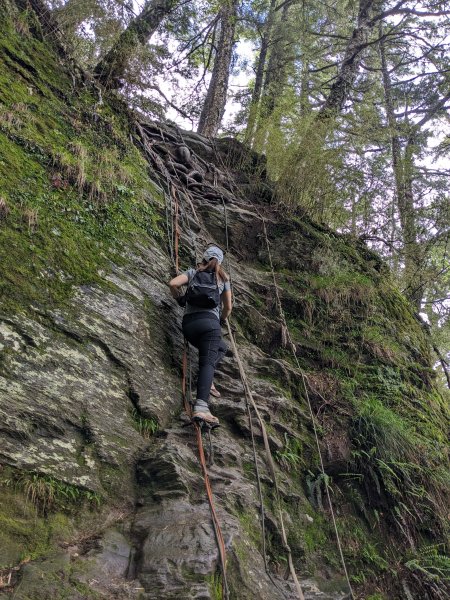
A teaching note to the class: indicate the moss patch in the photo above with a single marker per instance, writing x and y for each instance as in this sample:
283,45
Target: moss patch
24,534
76,191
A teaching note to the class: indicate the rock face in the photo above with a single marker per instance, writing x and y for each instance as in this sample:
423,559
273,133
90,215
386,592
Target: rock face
101,484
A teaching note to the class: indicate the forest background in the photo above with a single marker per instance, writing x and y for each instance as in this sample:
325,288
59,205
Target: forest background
347,100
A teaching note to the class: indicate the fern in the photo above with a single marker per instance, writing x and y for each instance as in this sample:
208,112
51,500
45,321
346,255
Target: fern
291,455
431,562
398,463
316,485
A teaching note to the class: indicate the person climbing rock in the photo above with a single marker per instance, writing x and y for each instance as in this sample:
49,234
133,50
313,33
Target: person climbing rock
208,302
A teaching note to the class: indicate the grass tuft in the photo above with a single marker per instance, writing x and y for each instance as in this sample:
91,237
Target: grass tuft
146,427
47,493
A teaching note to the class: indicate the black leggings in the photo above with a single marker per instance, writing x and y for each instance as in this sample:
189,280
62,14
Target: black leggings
203,332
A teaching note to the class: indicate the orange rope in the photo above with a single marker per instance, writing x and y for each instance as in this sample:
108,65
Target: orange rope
201,453
198,432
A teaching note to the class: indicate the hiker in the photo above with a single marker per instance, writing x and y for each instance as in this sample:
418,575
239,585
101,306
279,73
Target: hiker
207,293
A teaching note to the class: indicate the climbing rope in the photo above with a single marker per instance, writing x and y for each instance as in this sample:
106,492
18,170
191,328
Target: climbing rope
198,432
316,436
286,335
271,464
250,403
174,235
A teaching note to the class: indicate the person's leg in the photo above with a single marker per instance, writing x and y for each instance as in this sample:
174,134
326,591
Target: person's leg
221,351
208,356
205,335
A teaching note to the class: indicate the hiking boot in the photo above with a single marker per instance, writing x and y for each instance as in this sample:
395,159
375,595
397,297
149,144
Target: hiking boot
214,391
206,416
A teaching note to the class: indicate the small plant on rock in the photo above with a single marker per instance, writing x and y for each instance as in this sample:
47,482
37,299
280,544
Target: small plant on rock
317,485
432,562
291,456
146,427
46,492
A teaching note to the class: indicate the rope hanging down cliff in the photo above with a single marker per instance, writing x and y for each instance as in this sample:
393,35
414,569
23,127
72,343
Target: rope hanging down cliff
215,521
250,402
286,335
198,432
270,461
173,234
303,377
188,409
264,433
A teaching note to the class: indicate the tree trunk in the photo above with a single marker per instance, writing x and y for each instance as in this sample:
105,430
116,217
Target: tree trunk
304,161
403,168
275,81
216,97
413,256
259,76
305,104
112,67
276,75
348,71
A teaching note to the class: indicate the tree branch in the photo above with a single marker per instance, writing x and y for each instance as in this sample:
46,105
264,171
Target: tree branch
169,102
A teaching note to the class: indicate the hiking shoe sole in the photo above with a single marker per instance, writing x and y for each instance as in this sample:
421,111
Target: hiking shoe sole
207,418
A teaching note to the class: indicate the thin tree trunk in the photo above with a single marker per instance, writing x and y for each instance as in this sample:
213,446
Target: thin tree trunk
259,76
403,167
216,96
348,71
276,75
354,229
305,104
412,252
303,162
394,254
112,67
403,174
275,80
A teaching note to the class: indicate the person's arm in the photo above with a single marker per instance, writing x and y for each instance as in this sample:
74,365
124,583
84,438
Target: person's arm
227,304
176,283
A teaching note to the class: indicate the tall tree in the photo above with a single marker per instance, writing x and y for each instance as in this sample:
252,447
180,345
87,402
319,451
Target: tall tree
350,64
111,67
280,60
343,49
216,96
260,70
406,143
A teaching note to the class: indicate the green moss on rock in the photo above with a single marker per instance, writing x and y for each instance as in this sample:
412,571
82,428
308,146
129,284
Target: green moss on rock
76,190
24,533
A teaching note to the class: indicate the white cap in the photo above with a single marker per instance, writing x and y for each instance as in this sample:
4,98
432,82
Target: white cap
213,252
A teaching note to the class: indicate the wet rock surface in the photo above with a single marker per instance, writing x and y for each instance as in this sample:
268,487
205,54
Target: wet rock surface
76,379
94,399
101,491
